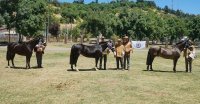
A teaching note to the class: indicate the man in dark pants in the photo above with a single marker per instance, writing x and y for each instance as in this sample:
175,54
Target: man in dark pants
104,57
128,48
39,50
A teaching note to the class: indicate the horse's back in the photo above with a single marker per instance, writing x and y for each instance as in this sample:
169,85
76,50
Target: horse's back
19,48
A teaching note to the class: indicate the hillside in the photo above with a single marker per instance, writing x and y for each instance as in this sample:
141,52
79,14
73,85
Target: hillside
139,20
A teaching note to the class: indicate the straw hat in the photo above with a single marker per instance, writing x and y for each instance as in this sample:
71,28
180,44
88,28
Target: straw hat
119,40
125,37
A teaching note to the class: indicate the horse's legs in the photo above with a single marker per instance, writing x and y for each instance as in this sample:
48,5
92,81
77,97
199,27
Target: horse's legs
151,62
147,67
96,62
28,61
72,67
75,61
9,63
12,59
175,62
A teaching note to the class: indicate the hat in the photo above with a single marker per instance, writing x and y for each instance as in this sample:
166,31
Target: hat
102,37
125,37
119,40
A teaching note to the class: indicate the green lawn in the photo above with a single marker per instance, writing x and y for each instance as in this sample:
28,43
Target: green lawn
55,84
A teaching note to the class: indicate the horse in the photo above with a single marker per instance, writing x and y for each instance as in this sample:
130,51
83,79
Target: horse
93,51
22,48
166,53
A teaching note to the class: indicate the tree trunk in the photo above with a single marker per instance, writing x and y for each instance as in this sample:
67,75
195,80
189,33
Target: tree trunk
9,35
20,38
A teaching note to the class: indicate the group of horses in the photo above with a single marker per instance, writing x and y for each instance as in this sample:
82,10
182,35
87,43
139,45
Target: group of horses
96,51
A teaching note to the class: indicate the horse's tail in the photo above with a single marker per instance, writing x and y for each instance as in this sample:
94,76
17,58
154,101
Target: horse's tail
73,55
8,54
148,57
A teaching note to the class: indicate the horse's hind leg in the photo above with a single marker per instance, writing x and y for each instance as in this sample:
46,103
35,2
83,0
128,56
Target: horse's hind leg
147,67
175,62
28,62
72,67
12,59
151,62
96,62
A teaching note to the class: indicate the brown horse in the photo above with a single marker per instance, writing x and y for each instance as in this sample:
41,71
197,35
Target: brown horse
173,53
21,48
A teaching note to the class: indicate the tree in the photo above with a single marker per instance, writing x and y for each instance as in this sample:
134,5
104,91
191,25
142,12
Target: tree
194,27
8,10
30,17
1,21
54,29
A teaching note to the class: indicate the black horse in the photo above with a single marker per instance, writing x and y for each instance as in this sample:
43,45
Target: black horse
22,48
173,53
93,51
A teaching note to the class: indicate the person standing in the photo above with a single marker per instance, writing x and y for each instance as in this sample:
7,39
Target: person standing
119,53
189,54
39,50
104,56
128,49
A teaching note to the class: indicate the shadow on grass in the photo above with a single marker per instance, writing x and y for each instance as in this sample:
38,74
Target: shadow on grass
163,71
81,70
24,68
94,69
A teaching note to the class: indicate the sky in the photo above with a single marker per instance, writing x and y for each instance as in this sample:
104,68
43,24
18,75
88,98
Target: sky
187,6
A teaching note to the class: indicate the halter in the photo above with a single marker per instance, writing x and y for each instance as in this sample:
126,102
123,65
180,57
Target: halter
110,46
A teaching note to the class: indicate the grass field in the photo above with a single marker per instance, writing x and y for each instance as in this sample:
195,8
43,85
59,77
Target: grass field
55,84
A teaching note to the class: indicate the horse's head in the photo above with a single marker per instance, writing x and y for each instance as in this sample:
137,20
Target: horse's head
108,45
184,43
111,45
39,40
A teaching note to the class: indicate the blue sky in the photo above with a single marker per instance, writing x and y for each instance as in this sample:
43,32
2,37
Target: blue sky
187,6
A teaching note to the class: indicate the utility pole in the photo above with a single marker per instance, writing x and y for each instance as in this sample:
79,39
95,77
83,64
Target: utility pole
47,22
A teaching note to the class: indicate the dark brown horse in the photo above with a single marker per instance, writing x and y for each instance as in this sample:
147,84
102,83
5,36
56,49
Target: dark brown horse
173,53
94,51
21,48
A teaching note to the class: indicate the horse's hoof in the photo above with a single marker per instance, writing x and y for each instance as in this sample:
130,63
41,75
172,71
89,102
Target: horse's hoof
96,68
77,70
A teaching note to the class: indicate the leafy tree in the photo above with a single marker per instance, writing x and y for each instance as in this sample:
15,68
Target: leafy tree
8,11
30,17
194,27
54,29
1,20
